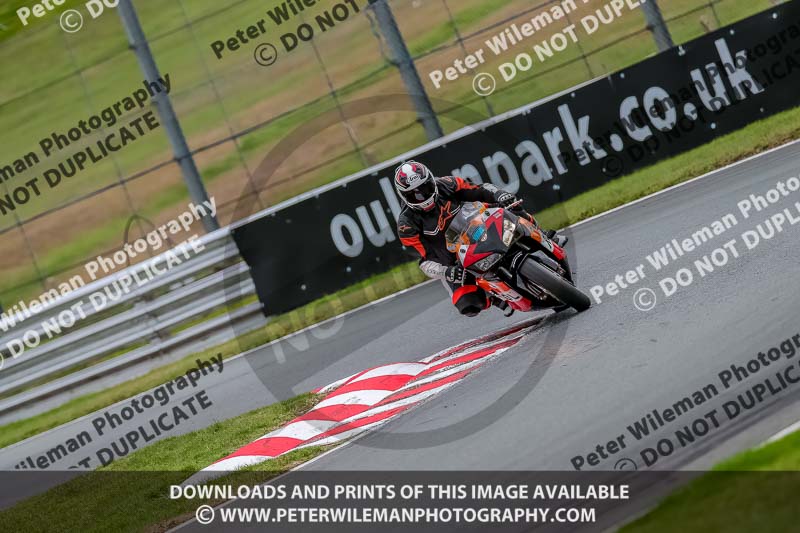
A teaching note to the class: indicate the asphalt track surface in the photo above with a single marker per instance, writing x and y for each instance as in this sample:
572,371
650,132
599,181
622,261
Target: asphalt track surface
578,380
615,363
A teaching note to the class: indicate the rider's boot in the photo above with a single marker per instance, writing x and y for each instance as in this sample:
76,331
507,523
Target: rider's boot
502,305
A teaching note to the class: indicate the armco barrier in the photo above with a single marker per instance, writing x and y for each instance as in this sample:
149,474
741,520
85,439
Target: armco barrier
545,152
184,297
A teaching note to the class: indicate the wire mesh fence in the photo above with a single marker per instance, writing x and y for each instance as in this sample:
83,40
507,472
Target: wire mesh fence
234,111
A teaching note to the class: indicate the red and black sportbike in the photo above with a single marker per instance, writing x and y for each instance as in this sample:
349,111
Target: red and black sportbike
513,259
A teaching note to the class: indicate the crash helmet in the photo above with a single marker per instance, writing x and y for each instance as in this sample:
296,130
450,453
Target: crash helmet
416,185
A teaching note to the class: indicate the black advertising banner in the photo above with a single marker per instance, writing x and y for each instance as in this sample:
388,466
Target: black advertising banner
656,109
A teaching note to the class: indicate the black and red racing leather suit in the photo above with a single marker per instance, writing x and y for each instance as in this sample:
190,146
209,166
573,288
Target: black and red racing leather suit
424,233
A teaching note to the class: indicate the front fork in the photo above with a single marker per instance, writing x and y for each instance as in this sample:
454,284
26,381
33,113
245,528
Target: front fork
547,252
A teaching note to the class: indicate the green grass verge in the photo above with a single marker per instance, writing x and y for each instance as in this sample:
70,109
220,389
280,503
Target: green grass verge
55,109
132,494
753,139
732,498
135,488
369,290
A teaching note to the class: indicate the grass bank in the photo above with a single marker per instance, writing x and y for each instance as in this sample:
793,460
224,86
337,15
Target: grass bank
94,68
754,491
133,492
753,139
355,296
135,489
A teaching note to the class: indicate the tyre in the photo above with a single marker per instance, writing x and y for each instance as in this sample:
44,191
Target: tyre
555,285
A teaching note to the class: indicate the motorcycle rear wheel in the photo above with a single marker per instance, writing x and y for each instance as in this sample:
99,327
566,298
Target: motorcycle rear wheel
554,284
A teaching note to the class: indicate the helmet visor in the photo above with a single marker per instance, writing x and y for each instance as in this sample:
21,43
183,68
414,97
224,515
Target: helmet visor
421,194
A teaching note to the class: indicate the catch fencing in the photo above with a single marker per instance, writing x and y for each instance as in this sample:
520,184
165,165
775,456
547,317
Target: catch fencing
233,110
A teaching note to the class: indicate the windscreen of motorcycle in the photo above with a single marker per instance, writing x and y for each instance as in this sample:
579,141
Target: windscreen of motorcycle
467,226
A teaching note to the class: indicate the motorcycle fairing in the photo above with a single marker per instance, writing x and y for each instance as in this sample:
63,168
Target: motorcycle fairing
490,241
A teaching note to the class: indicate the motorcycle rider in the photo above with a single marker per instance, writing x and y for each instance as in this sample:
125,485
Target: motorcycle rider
431,203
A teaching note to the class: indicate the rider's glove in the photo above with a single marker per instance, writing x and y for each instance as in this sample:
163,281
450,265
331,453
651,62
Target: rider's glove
455,274
504,199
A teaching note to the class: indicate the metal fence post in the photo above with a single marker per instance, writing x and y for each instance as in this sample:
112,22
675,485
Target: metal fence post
138,43
656,24
408,71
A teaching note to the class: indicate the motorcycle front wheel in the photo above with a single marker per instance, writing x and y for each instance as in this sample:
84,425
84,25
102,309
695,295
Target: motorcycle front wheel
555,285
